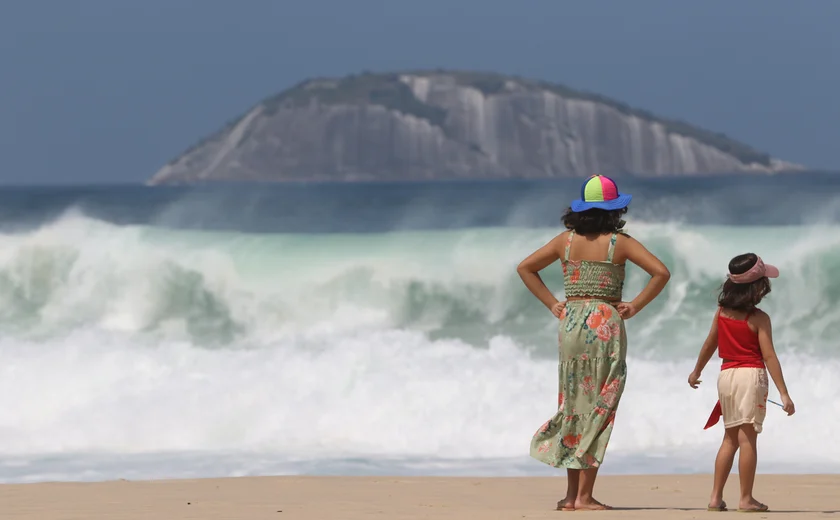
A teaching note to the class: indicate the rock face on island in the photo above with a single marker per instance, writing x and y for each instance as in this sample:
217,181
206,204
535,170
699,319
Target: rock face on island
452,125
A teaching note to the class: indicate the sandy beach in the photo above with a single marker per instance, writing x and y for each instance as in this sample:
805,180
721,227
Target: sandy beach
322,498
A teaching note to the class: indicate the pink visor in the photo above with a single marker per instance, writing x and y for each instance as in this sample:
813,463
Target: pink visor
756,272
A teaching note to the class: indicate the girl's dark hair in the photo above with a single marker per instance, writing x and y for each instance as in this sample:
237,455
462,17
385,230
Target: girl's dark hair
743,296
594,221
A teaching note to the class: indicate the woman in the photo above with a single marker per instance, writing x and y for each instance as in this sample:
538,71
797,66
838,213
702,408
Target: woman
593,343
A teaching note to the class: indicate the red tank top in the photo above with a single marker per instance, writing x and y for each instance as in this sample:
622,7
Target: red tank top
738,344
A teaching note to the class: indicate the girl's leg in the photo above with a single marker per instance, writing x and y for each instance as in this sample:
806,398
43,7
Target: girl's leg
723,465
584,498
573,482
747,462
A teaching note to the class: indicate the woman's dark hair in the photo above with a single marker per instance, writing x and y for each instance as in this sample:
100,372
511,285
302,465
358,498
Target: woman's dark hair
594,221
743,296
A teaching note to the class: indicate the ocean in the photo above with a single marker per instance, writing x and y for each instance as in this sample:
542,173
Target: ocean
373,329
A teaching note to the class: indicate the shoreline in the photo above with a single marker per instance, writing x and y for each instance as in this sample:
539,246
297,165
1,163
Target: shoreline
397,498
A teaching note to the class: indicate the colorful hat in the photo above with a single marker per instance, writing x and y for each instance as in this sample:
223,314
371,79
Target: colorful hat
599,191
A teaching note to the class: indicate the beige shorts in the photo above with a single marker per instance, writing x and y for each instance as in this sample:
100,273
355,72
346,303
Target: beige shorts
743,396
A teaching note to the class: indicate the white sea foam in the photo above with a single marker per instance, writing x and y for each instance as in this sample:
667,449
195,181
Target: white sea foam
130,350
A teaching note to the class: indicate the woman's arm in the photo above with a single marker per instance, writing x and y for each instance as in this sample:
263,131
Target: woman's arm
536,262
706,353
768,352
659,276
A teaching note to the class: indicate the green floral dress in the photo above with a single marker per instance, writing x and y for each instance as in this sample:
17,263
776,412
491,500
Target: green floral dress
592,371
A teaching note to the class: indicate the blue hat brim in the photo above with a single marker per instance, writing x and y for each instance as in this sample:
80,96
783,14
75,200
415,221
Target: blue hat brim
622,201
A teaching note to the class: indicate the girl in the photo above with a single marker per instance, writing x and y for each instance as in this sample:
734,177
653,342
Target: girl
742,335
593,343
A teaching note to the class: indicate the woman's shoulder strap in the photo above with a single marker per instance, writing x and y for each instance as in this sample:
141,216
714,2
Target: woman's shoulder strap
611,250
568,245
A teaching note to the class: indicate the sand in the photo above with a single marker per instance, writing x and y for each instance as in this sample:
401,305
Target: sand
349,498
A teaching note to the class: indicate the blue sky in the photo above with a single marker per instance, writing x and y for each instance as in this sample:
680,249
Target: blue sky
110,90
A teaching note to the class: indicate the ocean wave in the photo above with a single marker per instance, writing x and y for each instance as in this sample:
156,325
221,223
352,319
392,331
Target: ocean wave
418,345
229,289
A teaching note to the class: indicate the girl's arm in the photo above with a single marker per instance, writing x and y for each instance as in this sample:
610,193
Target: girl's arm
536,262
659,276
768,352
706,353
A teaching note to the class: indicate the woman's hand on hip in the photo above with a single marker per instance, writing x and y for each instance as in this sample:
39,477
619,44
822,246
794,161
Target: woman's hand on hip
626,310
557,309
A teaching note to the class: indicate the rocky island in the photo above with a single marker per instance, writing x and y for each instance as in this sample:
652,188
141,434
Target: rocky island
433,125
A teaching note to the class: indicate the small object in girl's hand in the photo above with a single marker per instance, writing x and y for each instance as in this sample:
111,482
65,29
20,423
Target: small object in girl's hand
774,402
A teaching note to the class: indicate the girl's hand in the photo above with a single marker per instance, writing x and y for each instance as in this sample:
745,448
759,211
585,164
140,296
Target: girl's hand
626,310
787,405
694,380
557,309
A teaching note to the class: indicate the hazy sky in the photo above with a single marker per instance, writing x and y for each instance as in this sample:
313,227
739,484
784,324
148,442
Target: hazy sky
110,90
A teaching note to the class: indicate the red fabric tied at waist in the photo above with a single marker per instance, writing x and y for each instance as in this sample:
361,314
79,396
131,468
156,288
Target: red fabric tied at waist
717,411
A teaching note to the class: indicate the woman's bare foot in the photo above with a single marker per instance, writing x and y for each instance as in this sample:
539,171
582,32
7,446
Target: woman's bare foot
590,504
752,505
567,504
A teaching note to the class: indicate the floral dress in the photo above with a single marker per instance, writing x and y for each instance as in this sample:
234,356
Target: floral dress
592,370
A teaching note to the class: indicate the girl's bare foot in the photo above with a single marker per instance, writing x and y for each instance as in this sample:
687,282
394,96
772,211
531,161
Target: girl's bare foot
717,505
752,505
590,504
